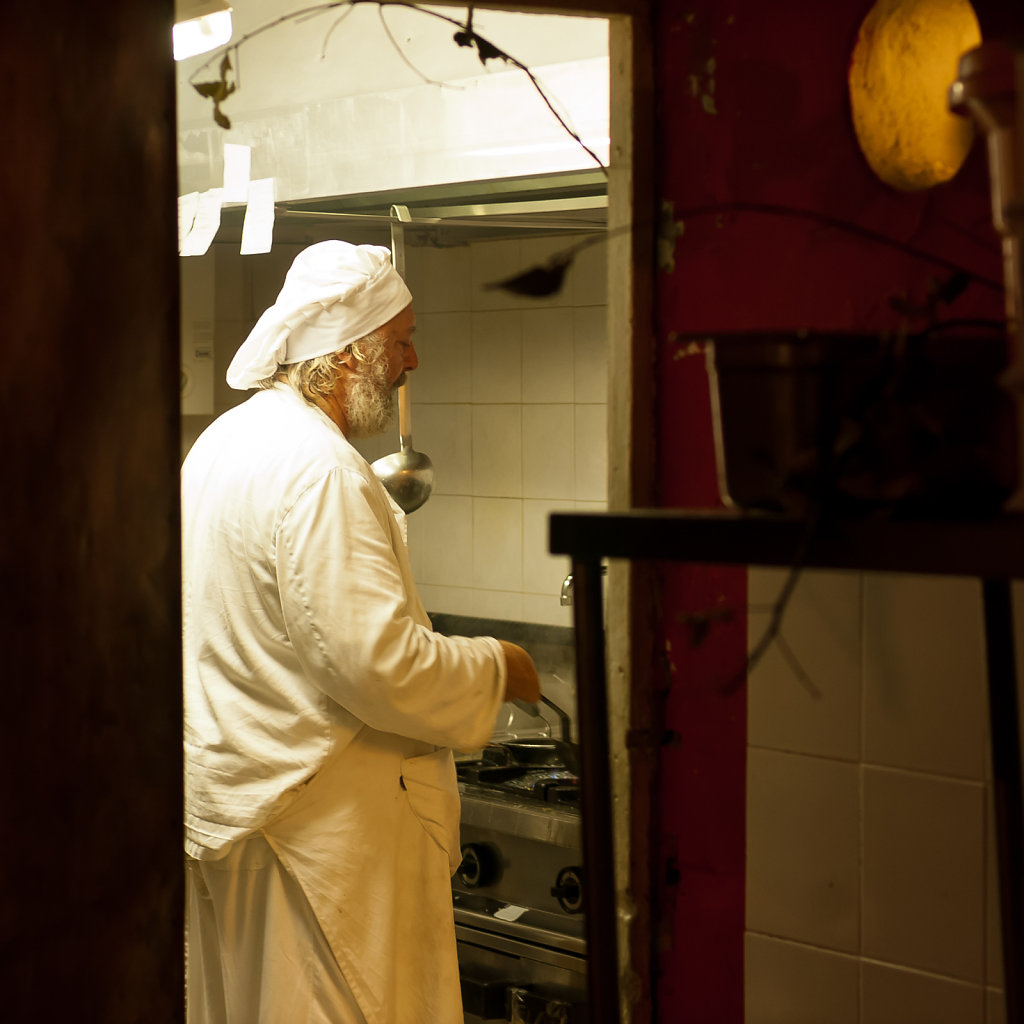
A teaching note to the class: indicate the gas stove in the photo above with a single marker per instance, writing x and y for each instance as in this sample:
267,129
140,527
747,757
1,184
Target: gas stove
518,893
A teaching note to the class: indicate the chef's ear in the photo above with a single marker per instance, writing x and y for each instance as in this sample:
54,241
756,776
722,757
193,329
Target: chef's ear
347,358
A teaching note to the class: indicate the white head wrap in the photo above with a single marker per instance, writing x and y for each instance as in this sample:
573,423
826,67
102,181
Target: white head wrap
333,294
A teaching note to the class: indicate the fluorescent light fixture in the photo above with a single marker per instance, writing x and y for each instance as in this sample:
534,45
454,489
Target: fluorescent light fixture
199,26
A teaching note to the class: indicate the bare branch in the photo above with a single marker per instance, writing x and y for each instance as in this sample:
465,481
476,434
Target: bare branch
487,50
401,53
466,36
294,16
334,24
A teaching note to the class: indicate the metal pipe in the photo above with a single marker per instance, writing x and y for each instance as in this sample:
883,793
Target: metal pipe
987,87
559,226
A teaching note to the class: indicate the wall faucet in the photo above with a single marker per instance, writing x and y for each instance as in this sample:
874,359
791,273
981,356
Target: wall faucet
565,596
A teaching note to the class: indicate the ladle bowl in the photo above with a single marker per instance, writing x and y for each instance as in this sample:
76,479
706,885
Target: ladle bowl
407,475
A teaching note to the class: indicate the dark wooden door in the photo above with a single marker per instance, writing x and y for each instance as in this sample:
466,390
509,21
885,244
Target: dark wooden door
90,797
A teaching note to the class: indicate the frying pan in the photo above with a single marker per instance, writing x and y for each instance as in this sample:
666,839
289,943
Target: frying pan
543,751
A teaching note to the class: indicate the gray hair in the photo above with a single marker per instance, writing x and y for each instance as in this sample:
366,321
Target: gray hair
316,377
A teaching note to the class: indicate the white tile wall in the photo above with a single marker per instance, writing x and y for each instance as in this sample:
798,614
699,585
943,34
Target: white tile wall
455,600
589,274
546,609
444,346
510,404
803,870
549,452
497,544
798,984
498,450
870,834
893,994
591,452
548,355
924,674
924,882
590,354
446,433
441,541
542,572
804,694
497,372
995,1006
441,282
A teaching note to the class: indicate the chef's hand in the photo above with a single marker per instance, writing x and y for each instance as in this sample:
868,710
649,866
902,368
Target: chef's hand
523,683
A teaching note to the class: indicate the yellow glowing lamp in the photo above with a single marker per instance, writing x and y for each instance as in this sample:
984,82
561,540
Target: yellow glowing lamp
199,26
904,61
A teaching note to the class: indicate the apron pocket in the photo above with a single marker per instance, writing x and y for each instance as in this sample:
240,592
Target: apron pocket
429,782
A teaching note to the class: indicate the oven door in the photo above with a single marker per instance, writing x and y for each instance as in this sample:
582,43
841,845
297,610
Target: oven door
511,979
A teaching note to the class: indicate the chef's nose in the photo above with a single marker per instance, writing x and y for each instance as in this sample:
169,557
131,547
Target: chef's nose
411,360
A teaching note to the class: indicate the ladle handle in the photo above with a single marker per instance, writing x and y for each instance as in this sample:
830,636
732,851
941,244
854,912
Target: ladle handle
400,216
404,417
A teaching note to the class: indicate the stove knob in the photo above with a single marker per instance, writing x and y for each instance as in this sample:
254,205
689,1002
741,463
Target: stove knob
568,890
480,865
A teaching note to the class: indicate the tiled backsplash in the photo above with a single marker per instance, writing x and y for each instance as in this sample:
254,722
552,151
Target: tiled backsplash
510,404
871,885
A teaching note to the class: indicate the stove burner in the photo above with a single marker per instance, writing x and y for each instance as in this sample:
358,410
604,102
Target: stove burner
530,769
559,791
523,752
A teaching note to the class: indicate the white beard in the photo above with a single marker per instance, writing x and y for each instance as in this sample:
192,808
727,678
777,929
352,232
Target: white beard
369,400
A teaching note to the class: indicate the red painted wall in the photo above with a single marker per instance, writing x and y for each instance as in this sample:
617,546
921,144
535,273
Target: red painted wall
782,226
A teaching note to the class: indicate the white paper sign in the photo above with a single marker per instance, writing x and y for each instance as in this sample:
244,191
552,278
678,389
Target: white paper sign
258,227
237,161
206,224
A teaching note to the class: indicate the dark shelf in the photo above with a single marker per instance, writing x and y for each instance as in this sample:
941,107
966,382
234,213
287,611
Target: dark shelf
992,548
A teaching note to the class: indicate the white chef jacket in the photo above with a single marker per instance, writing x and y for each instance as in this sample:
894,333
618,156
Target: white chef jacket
319,705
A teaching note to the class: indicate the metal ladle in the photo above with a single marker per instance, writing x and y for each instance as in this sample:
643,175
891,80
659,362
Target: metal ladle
408,475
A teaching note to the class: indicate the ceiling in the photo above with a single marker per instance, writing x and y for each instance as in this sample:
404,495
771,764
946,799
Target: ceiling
350,50
300,79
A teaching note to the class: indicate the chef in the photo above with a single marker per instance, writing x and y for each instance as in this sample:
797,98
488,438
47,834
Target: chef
320,707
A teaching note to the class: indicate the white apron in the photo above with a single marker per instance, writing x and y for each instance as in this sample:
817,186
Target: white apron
256,952
372,842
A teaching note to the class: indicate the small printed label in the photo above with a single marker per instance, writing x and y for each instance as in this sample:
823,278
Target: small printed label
510,913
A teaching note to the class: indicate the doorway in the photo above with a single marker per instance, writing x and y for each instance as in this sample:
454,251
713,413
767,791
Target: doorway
318,190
